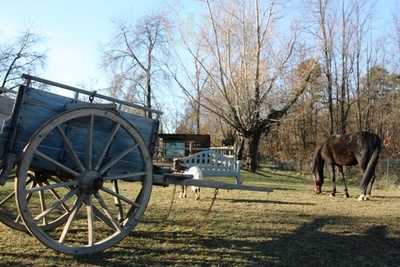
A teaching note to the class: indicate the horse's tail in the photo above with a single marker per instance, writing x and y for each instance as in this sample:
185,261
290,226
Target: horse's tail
370,170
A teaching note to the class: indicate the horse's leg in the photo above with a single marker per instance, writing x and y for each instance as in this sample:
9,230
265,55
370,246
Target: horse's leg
364,186
346,192
363,162
333,181
370,187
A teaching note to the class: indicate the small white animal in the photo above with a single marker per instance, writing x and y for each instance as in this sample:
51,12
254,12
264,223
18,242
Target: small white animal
197,174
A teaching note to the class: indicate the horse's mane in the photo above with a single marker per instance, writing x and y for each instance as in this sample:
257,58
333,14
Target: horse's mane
316,158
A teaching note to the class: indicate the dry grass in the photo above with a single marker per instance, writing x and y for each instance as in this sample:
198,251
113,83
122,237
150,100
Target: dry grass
289,227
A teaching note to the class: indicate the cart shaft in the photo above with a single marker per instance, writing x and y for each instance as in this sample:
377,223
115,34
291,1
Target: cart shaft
165,180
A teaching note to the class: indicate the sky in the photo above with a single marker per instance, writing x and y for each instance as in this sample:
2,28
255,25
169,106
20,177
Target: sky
75,32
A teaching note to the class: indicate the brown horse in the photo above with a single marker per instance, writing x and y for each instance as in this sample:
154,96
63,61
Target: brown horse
360,148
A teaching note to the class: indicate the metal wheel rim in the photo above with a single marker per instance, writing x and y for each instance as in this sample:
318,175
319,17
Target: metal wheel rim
32,146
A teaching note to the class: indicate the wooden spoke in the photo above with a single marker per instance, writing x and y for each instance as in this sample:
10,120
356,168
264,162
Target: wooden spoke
65,168
29,195
42,200
57,196
18,219
107,213
90,221
102,217
119,196
117,201
132,176
89,157
129,213
9,196
107,146
118,158
70,149
51,186
71,217
56,204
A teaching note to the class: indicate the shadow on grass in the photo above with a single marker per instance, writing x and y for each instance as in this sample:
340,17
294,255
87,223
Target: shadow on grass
385,197
270,174
20,259
265,201
309,245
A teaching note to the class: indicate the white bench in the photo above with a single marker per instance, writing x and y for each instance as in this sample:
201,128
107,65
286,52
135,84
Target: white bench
214,163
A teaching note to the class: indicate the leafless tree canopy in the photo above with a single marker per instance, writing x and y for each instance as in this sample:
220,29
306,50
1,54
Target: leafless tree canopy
20,56
247,66
135,57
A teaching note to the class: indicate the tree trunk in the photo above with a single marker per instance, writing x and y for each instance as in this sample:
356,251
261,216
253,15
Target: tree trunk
198,113
240,148
148,98
148,83
10,68
253,143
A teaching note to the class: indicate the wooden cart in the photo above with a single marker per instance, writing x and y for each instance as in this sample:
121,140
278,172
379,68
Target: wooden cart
82,166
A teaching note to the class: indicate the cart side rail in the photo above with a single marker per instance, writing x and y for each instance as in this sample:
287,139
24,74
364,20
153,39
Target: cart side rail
93,94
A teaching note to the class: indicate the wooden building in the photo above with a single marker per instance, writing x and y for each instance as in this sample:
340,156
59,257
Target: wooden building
181,145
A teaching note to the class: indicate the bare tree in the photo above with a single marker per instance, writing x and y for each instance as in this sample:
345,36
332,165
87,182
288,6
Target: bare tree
137,53
22,55
246,69
192,83
340,30
325,28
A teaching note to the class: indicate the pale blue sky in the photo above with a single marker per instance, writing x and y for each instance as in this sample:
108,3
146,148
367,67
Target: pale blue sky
74,32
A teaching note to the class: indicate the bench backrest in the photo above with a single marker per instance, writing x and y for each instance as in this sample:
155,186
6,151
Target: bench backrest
214,163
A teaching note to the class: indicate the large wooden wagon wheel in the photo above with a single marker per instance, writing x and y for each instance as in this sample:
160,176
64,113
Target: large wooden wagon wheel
9,214
106,202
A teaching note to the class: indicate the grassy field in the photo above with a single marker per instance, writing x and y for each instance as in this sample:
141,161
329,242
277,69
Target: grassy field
288,227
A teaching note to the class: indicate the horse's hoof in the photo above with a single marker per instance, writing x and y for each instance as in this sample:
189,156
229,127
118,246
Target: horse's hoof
361,198
346,195
367,197
332,194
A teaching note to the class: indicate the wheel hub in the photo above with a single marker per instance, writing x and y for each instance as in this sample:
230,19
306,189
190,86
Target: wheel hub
90,182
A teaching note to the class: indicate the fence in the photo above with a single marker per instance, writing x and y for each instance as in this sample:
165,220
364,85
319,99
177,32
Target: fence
388,171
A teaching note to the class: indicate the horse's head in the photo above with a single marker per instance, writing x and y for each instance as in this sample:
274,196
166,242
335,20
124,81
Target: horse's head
318,170
318,182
